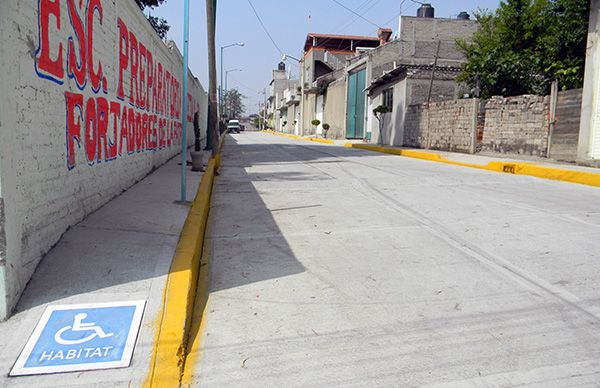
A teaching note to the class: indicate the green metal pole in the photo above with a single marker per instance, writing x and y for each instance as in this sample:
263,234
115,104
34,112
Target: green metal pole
186,38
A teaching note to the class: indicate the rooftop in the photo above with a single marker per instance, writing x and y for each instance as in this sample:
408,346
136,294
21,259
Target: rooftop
339,42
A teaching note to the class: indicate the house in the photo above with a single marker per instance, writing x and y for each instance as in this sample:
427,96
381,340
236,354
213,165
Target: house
323,55
402,73
396,74
275,104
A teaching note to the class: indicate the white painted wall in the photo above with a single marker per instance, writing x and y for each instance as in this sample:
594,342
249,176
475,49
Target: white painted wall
43,192
589,133
393,127
320,102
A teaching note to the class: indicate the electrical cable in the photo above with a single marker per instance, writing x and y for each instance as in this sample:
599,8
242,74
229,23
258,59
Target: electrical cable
355,13
265,28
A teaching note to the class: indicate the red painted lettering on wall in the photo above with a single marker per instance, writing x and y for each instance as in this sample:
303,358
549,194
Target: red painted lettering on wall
102,118
77,65
46,66
74,118
98,129
123,56
96,77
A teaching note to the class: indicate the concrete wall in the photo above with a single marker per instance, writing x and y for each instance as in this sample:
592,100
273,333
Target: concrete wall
588,151
393,122
517,125
90,105
310,101
447,125
335,109
290,116
566,129
417,43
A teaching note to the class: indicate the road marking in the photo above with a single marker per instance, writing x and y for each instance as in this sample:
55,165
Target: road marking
82,337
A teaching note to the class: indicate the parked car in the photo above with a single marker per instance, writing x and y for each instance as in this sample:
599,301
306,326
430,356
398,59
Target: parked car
233,126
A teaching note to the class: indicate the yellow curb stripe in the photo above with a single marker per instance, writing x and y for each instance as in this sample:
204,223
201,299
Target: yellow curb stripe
174,320
290,136
516,168
195,353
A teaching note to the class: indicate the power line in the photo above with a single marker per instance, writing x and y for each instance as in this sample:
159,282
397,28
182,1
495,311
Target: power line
265,28
402,11
243,85
351,18
355,13
364,12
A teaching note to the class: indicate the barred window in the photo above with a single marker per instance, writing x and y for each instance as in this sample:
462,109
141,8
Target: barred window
388,98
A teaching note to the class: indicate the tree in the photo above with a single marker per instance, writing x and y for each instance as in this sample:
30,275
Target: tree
525,45
233,103
379,113
160,25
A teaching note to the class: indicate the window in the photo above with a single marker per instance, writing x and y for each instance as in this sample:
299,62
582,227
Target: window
388,98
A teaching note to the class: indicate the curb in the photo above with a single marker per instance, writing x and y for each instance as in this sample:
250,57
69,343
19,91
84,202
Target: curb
172,326
515,168
295,137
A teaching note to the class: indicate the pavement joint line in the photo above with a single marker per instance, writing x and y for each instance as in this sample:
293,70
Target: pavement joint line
127,230
514,168
175,317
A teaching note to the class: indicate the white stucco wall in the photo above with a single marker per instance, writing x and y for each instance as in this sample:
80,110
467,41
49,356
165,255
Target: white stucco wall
59,161
393,124
589,133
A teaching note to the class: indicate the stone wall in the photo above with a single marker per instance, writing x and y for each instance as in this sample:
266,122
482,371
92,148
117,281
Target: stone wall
446,125
90,104
516,125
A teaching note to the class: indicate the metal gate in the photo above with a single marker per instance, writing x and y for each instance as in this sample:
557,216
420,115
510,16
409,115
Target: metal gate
355,112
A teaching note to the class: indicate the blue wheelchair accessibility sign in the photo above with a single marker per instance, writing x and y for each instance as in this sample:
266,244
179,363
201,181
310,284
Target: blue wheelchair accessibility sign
82,337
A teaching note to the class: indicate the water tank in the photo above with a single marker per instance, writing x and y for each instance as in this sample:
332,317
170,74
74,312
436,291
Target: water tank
463,16
426,11
281,66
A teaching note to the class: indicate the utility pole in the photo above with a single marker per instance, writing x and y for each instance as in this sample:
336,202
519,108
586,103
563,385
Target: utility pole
266,116
184,100
437,54
211,16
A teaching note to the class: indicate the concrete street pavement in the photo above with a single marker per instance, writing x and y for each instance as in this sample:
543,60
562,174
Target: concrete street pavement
340,267
122,252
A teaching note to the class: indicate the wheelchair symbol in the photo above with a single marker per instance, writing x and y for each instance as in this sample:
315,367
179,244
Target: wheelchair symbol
79,326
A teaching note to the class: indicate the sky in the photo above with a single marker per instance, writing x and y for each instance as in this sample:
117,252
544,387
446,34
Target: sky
288,22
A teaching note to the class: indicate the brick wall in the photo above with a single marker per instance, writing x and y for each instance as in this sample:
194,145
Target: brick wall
445,125
90,104
516,125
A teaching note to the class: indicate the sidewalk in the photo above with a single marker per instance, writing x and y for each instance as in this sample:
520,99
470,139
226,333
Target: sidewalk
478,158
486,158
122,252
512,164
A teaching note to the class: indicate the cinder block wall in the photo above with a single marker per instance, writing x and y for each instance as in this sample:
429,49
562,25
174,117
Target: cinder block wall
90,104
517,125
445,125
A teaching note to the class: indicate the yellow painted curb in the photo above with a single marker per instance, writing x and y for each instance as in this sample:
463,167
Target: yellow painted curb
174,320
194,353
318,140
290,136
516,168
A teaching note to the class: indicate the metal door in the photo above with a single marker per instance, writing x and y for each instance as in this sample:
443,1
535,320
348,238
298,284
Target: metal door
355,119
